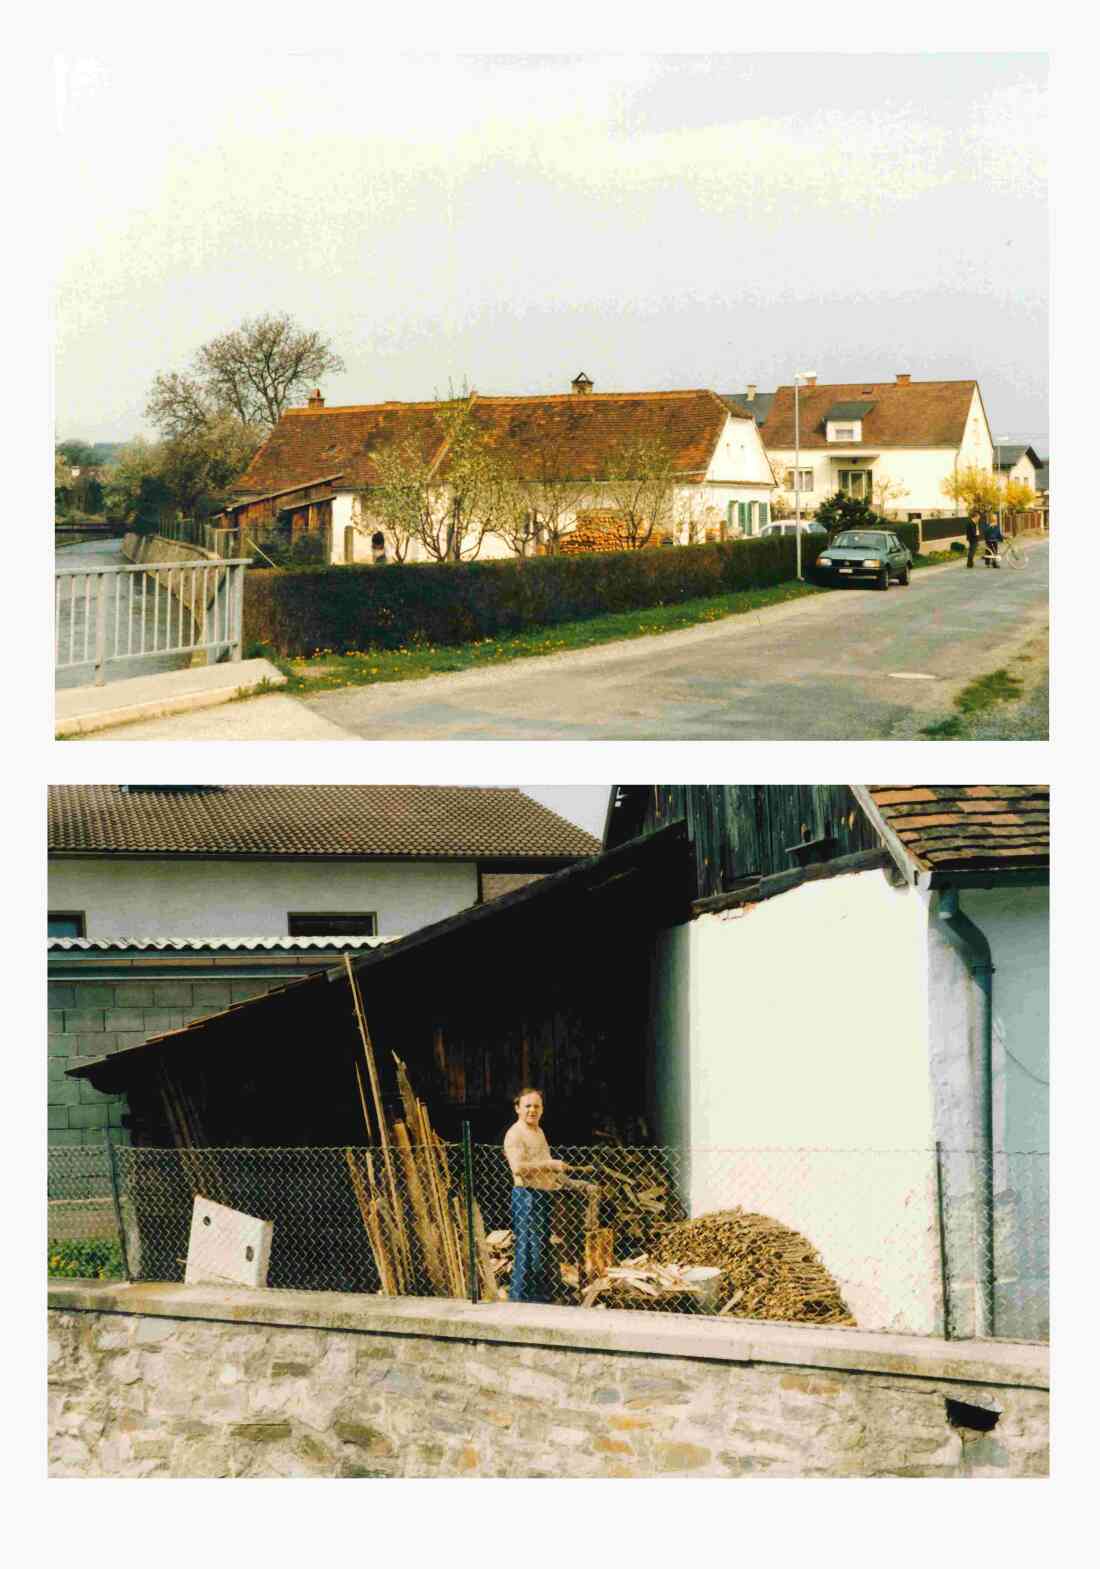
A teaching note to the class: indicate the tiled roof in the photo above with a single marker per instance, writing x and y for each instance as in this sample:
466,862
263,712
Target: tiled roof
209,944
969,827
575,434
377,821
1005,455
914,414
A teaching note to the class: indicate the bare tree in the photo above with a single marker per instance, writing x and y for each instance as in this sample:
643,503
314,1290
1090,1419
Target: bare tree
401,499
885,491
639,479
253,373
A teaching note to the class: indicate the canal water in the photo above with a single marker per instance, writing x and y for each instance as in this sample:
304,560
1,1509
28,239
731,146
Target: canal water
108,553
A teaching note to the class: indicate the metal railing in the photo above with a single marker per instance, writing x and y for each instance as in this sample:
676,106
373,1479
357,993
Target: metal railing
110,614
898,1240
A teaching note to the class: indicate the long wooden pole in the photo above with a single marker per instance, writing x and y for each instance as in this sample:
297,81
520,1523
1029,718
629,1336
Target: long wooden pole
383,1134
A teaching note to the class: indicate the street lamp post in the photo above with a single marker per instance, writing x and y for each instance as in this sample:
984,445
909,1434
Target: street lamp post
998,442
802,375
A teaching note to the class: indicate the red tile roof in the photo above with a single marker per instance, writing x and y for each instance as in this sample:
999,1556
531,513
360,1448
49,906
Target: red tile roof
576,433
402,822
969,827
914,414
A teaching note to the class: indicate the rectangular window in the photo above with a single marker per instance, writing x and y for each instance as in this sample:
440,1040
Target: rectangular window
65,923
842,433
806,481
855,482
744,516
765,512
332,923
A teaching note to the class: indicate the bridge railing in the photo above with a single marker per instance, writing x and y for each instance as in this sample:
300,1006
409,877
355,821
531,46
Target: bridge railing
107,614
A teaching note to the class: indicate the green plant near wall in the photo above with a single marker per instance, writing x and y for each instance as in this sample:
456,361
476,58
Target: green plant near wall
93,1258
349,608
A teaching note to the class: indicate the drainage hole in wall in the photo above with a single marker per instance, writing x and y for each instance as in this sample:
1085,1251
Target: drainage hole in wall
206,1220
249,1253
978,1418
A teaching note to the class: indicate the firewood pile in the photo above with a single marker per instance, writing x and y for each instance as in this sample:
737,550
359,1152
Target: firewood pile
767,1270
637,1198
597,532
673,1287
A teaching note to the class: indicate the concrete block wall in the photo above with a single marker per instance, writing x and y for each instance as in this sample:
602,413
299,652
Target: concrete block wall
91,1018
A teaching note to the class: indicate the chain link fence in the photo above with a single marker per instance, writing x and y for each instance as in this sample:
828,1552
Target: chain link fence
929,1242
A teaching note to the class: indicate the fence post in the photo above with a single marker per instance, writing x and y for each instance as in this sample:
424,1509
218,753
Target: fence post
236,600
468,1195
113,1174
944,1279
100,627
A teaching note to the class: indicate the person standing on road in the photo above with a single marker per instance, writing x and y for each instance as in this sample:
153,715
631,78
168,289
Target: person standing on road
973,535
991,533
536,1176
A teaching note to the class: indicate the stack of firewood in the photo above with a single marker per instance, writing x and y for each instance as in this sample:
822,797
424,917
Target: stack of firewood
659,1285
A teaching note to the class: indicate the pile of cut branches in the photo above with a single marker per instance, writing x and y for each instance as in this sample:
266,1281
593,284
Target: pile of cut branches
768,1270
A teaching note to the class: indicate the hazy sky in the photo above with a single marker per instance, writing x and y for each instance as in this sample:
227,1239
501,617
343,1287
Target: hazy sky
658,221
582,804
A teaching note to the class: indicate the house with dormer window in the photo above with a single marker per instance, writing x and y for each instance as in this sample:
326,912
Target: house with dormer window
891,444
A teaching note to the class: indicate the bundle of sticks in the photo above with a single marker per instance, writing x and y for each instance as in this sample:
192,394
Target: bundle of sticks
412,1208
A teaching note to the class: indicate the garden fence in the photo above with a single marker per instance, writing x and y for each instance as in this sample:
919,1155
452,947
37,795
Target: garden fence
936,1242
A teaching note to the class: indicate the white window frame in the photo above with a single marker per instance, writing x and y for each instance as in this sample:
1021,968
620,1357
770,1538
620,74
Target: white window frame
807,483
846,430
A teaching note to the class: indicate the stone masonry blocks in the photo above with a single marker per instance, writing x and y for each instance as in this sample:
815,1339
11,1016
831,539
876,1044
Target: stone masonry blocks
176,1397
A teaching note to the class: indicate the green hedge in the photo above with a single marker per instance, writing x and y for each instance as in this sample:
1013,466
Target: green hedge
909,534
341,609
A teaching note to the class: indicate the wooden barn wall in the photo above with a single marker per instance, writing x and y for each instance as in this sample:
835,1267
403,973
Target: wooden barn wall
741,831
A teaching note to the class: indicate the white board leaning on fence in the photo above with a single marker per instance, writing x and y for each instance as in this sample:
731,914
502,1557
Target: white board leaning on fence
226,1247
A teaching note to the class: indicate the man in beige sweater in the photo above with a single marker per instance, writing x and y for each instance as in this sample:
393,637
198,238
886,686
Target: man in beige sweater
535,1175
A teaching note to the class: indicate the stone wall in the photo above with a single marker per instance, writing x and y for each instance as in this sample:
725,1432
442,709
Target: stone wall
176,1381
91,1018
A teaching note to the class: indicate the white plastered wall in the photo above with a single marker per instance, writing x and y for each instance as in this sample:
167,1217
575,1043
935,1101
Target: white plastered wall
165,898
806,1094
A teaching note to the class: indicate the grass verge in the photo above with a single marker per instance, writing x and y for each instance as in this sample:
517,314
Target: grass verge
999,686
324,672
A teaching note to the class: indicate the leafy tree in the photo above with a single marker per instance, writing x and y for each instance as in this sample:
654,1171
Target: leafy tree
972,487
137,491
78,454
1018,496
252,373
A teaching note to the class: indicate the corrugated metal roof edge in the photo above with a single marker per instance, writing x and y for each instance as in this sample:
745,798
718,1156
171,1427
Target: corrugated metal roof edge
212,944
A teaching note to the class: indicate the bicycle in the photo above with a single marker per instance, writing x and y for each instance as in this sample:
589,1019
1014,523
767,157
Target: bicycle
1011,554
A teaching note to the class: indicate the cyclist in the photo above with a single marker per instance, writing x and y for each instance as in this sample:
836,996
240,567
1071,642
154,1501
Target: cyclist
991,533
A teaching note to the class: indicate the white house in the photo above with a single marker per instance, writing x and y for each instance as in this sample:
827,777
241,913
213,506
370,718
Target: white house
317,470
891,443
827,1021
1018,464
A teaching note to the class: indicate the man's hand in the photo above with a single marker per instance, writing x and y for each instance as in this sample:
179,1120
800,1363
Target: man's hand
559,1165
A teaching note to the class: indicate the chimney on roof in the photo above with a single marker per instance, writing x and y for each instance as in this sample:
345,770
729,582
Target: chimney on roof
315,399
811,381
903,378
581,385
751,393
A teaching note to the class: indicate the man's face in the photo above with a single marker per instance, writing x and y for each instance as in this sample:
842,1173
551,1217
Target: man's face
529,1110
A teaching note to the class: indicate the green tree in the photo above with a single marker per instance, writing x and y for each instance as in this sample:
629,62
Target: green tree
972,488
844,511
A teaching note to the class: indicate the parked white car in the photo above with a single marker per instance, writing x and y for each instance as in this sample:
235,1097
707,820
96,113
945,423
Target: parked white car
807,527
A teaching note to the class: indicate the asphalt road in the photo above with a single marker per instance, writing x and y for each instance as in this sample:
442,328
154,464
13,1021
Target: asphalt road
847,665
852,664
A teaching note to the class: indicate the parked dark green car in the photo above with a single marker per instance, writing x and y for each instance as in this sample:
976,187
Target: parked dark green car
865,553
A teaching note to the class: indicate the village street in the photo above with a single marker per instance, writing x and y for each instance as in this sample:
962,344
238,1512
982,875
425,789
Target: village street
849,665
